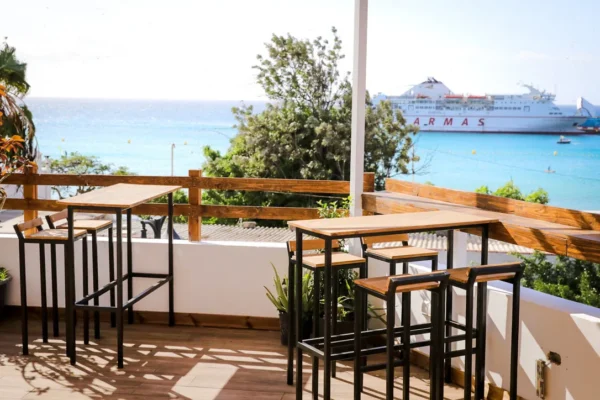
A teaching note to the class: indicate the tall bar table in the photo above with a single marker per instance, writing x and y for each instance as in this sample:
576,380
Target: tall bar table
116,199
355,227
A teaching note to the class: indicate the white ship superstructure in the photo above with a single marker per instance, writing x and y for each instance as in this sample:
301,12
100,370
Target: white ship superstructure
434,107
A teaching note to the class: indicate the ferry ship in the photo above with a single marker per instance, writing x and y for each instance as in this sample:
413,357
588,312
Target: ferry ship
434,107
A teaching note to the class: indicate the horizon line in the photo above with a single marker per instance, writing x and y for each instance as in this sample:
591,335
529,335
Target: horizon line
138,99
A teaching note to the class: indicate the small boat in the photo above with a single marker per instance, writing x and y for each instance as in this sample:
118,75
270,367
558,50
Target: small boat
549,171
563,140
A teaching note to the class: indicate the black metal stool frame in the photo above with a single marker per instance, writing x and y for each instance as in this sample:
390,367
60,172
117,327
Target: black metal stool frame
404,332
95,285
480,331
292,266
322,346
118,282
23,240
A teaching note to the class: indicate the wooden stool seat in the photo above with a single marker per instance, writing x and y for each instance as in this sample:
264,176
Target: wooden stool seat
87,224
55,234
401,253
461,275
337,259
381,285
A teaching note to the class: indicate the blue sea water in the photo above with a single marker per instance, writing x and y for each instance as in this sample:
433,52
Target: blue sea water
139,135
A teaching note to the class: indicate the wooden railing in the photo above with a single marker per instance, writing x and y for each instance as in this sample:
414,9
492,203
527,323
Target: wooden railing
195,183
555,230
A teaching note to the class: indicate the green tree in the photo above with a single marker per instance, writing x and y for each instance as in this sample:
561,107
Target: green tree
568,277
12,71
304,133
483,190
78,164
511,191
15,117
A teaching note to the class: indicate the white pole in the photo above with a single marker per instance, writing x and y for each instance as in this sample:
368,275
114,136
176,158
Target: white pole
359,89
172,159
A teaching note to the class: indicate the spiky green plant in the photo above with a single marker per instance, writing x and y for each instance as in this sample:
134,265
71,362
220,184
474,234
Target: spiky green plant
4,275
280,298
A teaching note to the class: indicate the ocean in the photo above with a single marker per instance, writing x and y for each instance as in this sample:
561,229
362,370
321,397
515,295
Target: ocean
140,134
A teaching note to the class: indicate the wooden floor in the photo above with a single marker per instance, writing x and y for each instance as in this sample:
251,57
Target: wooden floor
171,363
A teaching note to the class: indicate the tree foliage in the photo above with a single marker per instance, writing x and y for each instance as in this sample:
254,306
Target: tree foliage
15,117
305,130
512,191
568,278
78,164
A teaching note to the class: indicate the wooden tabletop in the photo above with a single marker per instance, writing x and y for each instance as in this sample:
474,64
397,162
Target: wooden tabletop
122,195
356,226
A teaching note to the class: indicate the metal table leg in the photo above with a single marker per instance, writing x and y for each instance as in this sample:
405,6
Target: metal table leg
481,320
298,313
120,290
129,267
95,283
172,281
290,318
24,315
111,275
43,293
448,328
55,329
327,321
70,290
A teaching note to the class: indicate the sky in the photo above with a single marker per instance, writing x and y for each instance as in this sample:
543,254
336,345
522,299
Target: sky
205,49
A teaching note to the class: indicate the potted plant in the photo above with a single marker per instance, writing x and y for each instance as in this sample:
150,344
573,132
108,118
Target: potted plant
4,279
280,301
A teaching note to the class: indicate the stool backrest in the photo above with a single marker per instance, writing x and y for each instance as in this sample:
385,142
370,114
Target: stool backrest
369,241
489,272
418,281
53,218
310,244
25,226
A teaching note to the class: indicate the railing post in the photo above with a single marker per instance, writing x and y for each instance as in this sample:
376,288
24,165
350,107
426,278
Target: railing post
30,193
195,217
368,187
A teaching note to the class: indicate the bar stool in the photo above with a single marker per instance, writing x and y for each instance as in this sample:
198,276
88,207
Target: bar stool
393,255
43,237
386,288
316,264
92,227
466,278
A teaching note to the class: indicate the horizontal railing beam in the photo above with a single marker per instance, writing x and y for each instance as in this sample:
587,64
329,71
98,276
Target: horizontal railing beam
217,211
243,184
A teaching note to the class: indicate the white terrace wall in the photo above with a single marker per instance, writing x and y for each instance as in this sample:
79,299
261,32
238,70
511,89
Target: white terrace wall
228,278
210,277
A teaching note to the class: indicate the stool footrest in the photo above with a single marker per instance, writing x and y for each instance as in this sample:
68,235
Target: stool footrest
92,307
380,366
83,303
346,355
348,338
458,353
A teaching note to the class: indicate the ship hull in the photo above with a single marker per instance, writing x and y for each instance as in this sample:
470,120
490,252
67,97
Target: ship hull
496,124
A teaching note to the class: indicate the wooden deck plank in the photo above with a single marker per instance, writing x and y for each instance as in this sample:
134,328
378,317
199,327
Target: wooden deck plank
171,363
